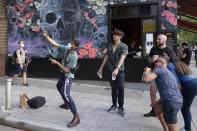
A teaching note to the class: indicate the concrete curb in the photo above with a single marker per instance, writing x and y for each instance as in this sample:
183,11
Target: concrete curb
28,126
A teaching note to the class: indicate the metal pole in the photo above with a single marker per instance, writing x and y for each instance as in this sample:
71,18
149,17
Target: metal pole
8,96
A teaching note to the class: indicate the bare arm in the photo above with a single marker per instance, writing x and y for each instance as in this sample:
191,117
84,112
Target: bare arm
183,55
122,58
103,64
148,76
49,39
65,69
19,59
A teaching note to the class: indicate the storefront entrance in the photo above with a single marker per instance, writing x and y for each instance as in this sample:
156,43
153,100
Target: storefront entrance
139,21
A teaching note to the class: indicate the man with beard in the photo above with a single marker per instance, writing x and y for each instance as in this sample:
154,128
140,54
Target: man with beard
155,52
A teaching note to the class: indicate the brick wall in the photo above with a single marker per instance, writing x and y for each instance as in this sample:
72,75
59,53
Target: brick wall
3,36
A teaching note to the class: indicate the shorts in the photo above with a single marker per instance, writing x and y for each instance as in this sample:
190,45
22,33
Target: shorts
170,110
153,83
18,70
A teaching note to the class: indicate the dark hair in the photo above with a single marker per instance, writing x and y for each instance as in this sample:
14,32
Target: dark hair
119,33
181,67
76,43
19,41
184,44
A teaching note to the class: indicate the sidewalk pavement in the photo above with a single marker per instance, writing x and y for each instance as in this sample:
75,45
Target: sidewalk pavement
91,98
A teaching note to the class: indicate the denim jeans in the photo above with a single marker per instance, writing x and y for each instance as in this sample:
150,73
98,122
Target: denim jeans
117,88
64,87
189,91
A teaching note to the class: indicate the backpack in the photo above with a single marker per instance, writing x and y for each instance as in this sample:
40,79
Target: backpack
14,57
36,102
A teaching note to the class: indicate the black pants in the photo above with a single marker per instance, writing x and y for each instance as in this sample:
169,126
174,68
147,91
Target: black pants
117,88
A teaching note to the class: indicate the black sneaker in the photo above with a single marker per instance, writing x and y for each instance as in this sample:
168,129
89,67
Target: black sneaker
26,84
121,112
112,109
150,114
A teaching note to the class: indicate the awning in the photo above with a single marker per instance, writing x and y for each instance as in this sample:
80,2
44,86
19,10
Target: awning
187,8
187,25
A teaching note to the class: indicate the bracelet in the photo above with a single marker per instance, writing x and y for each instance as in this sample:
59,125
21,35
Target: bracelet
117,67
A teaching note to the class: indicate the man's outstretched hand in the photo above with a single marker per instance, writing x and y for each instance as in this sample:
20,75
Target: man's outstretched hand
44,33
53,61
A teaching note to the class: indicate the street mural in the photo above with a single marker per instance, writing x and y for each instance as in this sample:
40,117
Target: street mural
65,20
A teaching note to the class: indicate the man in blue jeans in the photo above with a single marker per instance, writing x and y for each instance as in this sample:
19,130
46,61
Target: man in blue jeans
116,54
69,61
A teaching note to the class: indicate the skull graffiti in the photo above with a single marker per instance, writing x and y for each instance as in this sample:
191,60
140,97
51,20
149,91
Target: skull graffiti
13,16
61,19
100,38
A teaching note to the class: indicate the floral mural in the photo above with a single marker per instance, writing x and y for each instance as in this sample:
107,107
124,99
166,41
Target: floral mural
169,15
87,22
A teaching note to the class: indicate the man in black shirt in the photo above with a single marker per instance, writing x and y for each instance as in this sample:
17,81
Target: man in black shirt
187,53
155,52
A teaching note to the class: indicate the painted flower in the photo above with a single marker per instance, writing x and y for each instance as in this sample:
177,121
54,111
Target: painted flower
173,21
32,13
99,3
169,4
26,1
28,15
93,20
174,5
163,27
86,14
20,18
92,54
21,8
94,7
93,50
37,28
105,51
83,52
21,25
80,56
86,46
163,3
95,25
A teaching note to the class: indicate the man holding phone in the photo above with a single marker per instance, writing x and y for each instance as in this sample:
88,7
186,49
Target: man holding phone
69,61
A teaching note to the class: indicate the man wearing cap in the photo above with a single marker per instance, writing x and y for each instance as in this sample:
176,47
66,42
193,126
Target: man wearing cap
21,67
69,60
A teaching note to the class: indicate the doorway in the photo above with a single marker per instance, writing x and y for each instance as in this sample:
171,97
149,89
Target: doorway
139,21
131,28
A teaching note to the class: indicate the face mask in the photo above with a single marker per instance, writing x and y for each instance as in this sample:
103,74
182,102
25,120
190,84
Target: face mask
69,45
22,45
